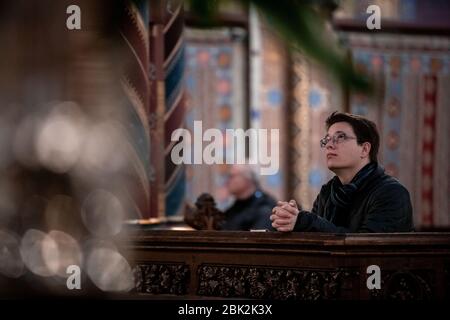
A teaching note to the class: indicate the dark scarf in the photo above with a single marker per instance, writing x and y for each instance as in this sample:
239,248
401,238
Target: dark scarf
342,196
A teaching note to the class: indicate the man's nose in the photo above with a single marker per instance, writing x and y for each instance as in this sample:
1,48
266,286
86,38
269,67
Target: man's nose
330,145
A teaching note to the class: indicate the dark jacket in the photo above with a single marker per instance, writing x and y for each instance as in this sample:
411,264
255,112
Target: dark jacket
251,213
382,204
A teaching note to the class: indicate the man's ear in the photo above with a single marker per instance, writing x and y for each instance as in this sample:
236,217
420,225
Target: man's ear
366,147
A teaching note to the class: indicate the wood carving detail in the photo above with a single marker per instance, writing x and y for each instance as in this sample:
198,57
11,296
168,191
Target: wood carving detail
205,216
405,285
272,283
161,278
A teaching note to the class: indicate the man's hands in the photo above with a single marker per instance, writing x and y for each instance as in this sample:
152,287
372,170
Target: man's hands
284,215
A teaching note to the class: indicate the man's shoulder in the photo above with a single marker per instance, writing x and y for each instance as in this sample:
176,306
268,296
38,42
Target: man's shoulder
390,183
388,186
381,185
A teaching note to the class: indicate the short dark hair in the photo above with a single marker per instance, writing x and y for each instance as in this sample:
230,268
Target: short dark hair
365,130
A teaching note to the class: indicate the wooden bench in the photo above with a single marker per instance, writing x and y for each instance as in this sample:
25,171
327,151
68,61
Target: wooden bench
279,266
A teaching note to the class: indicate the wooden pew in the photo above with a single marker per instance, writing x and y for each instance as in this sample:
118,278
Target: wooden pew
293,266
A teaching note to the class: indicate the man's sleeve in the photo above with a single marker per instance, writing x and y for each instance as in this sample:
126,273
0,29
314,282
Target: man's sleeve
389,211
308,222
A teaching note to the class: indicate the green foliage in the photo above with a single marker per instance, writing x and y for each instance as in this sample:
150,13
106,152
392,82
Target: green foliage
301,24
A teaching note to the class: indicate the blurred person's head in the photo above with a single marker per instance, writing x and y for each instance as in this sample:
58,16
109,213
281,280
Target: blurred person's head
242,181
351,142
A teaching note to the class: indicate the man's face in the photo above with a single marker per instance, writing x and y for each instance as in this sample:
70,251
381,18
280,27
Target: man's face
345,152
237,181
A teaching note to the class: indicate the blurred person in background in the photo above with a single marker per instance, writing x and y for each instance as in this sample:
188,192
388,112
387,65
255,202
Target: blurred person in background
252,207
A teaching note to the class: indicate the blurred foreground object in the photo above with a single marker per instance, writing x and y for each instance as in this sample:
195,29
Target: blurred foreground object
74,151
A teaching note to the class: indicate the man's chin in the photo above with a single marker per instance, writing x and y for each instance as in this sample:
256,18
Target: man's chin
333,166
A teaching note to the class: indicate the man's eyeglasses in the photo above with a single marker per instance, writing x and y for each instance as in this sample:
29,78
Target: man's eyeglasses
336,139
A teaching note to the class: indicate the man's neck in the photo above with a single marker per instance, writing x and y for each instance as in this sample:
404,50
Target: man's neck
346,175
246,194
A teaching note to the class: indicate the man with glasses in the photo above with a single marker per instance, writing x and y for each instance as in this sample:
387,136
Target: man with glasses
361,197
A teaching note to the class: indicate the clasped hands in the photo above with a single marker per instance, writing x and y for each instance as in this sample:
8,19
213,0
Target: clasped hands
284,215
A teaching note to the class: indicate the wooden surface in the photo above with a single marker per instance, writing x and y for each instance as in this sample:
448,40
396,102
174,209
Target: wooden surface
299,266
